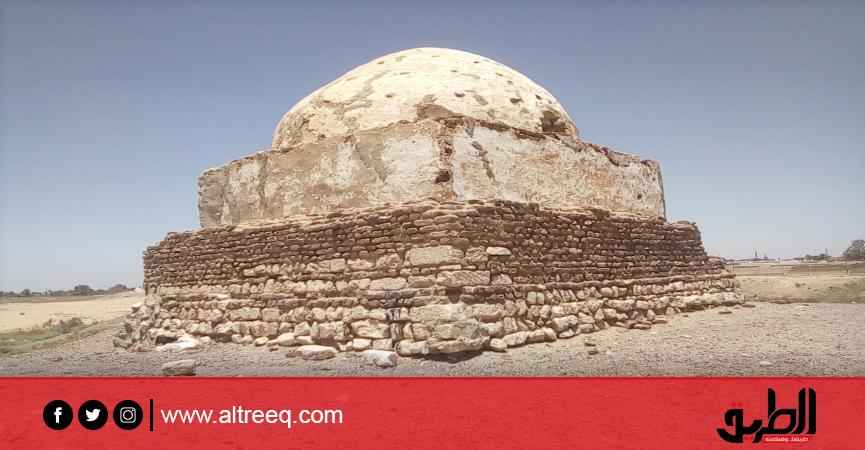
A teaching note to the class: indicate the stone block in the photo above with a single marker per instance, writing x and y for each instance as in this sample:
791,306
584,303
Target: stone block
370,329
183,367
498,251
434,256
469,329
387,284
516,339
381,358
315,352
451,312
454,346
460,278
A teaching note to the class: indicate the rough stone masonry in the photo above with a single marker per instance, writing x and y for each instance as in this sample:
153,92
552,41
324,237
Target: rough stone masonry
430,201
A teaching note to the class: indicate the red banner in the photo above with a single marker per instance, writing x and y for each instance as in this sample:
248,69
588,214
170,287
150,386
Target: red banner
431,412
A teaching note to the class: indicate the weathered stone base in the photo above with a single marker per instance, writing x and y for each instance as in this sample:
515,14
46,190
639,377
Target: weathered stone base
424,278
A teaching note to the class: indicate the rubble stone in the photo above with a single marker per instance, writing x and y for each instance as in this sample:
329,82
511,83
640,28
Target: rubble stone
381,358
182,367
315,352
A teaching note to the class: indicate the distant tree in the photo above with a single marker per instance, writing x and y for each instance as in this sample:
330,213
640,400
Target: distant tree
117,288
25,293
82,289
856,250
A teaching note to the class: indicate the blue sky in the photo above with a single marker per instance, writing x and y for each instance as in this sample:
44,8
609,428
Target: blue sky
110,110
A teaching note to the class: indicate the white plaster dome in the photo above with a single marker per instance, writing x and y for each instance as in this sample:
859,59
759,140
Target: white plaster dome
422,83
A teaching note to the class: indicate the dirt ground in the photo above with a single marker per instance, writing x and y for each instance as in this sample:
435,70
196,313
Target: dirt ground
822,289
789,340
28,314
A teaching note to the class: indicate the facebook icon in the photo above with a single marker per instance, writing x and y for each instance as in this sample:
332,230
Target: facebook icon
57,414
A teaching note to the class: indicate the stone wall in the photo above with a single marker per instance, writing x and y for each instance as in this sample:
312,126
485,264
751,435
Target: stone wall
440,158
425,278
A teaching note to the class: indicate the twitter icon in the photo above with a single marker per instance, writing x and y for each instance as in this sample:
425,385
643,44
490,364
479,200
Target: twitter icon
92,414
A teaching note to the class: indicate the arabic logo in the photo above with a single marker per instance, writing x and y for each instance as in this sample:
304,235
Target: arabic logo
804,414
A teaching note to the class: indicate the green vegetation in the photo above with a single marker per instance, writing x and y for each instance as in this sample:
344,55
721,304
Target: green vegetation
856,250
48,334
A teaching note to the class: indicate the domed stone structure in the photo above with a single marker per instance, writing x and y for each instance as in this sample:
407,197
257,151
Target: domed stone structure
407,86
427,124
429,201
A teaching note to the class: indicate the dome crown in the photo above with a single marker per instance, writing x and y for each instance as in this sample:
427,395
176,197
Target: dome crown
422,83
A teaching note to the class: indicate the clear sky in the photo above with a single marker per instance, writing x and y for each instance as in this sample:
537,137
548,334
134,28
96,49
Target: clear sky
110,110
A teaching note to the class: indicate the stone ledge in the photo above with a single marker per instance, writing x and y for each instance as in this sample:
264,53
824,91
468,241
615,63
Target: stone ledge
509,275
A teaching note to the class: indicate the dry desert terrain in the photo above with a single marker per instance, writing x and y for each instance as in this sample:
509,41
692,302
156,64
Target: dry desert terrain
797,337
23,315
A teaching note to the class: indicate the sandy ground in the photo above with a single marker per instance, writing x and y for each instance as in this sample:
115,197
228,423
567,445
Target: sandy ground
796,339
823,288
22,316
